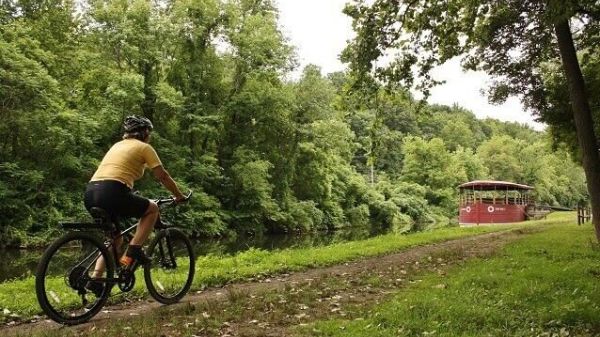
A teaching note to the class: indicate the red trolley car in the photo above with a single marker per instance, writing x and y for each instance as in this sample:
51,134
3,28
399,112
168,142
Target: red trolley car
488,201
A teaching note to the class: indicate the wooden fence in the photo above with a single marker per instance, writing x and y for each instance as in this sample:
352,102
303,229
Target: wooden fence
584,214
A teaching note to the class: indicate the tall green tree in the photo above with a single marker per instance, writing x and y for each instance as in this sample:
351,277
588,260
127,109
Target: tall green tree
500,155
561,124
430,164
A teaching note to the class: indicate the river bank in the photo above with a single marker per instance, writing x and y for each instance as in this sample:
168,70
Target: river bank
24,259
18,302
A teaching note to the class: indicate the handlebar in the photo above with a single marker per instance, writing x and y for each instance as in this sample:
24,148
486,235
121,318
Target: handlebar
171,199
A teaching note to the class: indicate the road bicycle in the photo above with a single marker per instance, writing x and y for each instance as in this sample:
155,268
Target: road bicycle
65,270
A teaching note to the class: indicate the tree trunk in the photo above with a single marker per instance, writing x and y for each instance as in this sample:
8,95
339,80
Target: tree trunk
149,103
583,117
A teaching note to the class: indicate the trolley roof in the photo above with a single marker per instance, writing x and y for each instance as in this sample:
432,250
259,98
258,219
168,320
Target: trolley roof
494,185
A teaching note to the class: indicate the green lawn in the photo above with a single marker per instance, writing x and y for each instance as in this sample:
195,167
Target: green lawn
18,296
546,284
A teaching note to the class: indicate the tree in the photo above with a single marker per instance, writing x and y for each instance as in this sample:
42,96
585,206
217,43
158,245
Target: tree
457,134
509,40
45,146
429,164
499,155
561,124
474,167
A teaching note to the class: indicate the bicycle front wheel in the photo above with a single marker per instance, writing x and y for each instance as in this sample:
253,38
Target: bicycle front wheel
170,275
63,275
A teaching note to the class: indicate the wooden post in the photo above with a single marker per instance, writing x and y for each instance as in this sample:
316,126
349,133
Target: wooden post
584,214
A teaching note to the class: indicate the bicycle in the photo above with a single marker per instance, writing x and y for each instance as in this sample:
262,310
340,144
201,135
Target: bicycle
68,263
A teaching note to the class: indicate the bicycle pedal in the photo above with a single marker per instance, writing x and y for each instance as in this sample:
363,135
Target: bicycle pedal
96,287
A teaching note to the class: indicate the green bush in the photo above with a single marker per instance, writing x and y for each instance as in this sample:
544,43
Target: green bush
358,215
303,216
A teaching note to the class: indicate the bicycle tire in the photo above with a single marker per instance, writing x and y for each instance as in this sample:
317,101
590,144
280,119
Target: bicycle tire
171,273
67,310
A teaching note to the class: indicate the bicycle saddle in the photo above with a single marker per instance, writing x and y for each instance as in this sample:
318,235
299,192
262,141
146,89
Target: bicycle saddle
100,216
102,220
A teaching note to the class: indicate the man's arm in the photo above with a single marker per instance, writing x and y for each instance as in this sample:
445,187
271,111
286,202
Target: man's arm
165,179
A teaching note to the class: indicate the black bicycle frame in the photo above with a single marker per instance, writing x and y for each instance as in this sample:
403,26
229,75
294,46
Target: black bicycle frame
110,243
96,253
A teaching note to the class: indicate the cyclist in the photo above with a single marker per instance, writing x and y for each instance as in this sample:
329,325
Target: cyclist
110,188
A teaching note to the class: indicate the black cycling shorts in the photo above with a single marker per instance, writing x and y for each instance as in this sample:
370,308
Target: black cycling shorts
115,198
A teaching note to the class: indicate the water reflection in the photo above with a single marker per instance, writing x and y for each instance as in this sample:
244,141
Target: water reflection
18,263
231,245
22,263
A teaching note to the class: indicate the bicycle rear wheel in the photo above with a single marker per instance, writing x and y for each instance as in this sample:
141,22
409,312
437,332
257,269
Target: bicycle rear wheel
63,273
170,275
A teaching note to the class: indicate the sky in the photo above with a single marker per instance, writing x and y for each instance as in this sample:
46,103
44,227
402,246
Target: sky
319,31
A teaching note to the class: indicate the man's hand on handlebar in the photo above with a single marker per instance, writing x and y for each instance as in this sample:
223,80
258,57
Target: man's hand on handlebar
182,198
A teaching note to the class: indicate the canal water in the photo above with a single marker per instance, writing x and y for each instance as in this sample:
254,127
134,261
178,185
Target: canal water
21,263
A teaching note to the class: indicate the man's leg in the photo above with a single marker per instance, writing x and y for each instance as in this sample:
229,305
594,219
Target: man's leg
145,226
101,264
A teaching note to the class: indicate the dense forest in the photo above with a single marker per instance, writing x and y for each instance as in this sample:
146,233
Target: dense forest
262,150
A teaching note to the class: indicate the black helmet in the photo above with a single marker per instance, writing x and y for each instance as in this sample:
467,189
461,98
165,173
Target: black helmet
137,123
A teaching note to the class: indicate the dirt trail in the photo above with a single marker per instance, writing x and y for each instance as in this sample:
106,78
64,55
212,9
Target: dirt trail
345,283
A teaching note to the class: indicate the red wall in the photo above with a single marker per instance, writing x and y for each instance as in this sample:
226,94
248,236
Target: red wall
491,213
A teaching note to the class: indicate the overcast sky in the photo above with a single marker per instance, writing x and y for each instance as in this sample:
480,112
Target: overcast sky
319,30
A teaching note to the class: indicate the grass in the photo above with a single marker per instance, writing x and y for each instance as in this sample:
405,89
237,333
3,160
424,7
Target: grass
18,301
547,284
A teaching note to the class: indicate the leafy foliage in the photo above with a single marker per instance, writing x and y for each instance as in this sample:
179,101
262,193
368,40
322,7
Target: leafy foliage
262,153
399,42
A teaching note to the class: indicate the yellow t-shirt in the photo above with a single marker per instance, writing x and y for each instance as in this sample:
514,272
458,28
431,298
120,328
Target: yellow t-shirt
126,161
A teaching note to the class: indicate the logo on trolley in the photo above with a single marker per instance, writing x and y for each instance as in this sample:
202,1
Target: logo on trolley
491,209
468,209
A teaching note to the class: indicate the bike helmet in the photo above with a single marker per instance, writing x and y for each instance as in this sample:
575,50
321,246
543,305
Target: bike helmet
136,123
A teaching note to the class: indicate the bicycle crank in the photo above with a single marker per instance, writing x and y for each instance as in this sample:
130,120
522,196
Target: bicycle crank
126,280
